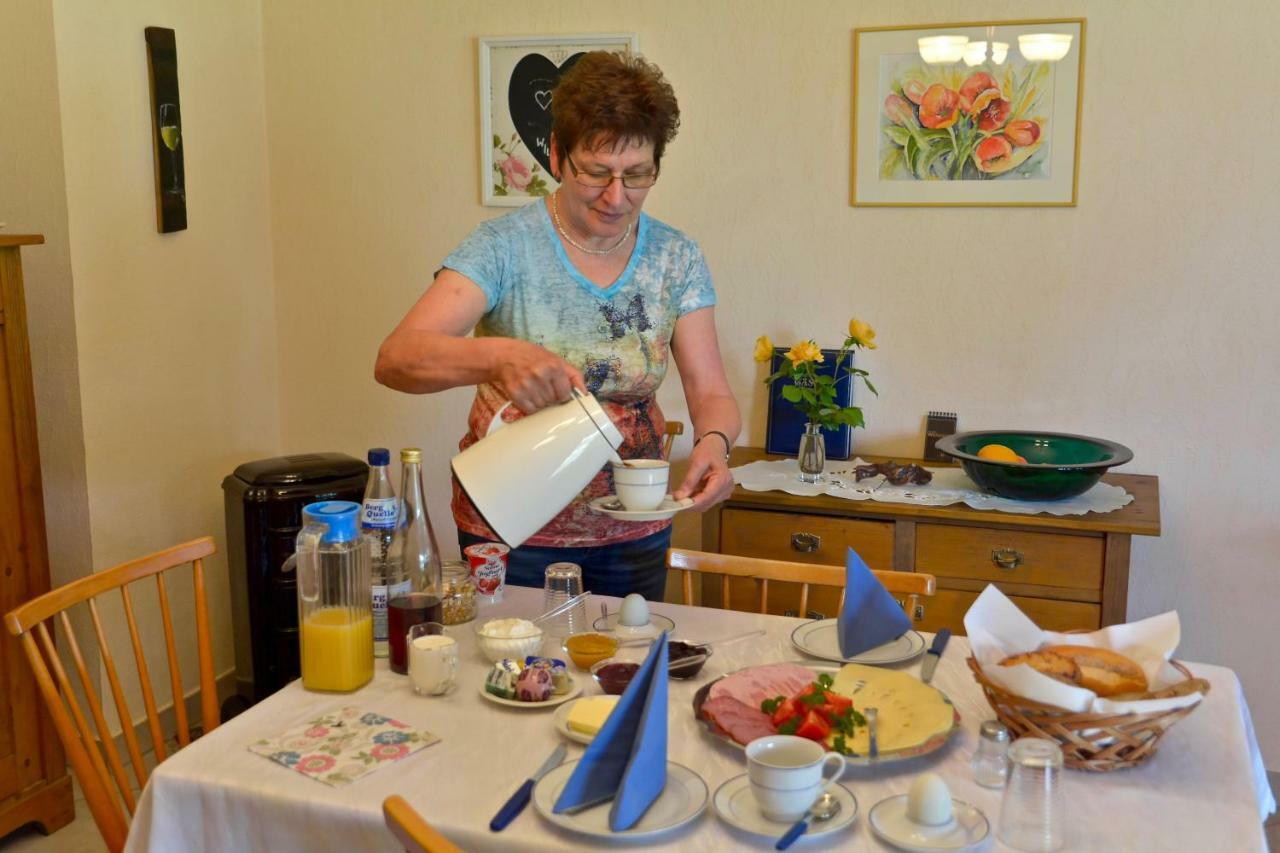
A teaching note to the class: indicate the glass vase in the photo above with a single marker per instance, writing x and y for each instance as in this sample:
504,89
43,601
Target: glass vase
812,454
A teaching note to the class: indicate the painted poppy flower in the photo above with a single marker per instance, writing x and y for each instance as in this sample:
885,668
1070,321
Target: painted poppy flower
1022,132
914,90
978,91
898,110
994,114
993,155
939,108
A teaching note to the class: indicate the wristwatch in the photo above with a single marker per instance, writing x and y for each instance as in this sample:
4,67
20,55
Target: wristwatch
727,444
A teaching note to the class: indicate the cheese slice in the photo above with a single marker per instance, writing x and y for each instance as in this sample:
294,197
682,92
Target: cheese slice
910,712
587,716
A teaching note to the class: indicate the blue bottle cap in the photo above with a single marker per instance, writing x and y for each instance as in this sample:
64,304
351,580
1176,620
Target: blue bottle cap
379,456
341,517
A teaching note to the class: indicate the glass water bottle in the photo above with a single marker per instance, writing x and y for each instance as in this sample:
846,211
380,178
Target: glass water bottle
415,558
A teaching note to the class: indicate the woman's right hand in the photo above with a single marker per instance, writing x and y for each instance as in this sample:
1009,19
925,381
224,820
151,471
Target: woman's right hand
533,378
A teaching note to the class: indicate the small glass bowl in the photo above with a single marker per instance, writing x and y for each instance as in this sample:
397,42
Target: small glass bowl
585,658
616,685
688,665
496,648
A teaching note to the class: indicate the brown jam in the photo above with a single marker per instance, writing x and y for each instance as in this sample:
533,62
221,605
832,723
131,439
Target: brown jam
685,660
615,677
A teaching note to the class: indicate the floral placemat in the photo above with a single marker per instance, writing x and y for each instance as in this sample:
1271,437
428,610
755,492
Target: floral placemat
949,486
341,746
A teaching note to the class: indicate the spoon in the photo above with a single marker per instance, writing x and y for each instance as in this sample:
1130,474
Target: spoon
823,809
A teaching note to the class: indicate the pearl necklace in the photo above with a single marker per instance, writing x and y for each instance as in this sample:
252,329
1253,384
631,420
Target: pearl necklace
555,214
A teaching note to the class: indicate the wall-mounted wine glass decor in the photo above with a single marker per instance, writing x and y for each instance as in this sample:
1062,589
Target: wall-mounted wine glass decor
167,137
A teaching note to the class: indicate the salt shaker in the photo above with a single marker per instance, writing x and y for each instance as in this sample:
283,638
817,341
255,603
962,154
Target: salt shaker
991,760
1032,814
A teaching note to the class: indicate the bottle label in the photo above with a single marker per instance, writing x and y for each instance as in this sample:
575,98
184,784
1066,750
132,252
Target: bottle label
379,614
380,513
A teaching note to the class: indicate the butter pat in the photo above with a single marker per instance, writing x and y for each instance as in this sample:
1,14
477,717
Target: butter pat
588,716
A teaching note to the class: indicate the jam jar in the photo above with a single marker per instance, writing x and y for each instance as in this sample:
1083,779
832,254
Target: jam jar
459,592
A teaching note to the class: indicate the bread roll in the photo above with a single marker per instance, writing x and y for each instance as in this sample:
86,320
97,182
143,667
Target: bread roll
1055,666
1103,671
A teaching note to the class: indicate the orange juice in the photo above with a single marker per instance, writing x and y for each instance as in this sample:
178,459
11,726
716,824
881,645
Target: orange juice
337,649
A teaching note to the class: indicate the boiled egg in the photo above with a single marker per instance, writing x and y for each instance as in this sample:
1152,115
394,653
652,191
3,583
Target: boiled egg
634,612
929,801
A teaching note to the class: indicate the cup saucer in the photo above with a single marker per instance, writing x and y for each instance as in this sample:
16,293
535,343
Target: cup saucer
611,506
968,827
736,806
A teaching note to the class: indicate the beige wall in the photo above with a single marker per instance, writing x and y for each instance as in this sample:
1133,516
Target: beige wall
1145,314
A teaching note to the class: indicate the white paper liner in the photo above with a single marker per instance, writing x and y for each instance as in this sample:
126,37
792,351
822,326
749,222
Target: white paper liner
997,629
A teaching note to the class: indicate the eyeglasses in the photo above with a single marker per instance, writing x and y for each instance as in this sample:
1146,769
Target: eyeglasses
600,180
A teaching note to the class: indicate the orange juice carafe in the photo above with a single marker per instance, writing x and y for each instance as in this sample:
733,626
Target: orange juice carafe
335,606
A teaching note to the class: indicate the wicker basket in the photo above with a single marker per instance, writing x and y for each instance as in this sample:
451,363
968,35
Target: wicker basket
1091,741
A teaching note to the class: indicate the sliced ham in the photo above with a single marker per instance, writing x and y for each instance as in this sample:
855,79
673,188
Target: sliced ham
741,722
752,686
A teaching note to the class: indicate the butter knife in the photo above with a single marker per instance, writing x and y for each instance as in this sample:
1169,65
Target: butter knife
520,798
934,654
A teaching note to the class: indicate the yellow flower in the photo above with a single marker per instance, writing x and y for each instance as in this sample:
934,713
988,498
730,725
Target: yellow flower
862,333
764,348
804,352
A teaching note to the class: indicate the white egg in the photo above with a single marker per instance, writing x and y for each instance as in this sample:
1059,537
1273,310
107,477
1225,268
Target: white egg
929,800
634,612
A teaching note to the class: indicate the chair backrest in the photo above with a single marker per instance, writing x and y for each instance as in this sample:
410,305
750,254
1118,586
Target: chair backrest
412,830
674,428
96,762
909,585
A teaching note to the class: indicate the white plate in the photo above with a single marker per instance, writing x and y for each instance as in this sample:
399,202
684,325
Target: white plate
821,638
657,624
888,819
736,806
665,510
683,799
561,719
574,689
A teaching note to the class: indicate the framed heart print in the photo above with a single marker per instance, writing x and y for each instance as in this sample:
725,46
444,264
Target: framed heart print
517,78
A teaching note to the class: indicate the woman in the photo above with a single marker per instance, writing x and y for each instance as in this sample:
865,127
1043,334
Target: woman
582,290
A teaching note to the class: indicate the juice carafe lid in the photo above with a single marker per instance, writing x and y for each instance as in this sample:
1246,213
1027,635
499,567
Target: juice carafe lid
342,518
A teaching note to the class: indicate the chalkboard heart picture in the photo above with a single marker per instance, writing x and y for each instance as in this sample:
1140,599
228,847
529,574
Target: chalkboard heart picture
518,78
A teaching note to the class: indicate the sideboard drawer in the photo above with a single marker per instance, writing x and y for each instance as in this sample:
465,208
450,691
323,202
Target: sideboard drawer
1010,556
946,609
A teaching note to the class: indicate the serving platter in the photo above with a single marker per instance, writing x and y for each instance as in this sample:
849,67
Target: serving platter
885,756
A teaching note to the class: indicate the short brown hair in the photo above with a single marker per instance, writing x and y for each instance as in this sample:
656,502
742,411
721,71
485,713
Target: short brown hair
608,97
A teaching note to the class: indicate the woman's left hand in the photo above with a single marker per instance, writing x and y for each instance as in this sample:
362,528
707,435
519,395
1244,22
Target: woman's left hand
708,480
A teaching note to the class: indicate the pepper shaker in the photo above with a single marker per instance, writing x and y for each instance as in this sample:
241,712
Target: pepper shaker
991,760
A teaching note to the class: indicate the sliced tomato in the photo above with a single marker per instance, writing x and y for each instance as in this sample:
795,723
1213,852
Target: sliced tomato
788,709
814,727
838,702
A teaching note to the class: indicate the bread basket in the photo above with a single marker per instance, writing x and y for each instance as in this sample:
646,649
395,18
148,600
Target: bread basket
1090,741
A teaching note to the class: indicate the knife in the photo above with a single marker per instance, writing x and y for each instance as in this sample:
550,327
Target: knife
934,654
520,798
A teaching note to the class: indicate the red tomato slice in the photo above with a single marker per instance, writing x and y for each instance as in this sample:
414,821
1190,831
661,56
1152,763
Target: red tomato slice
814,727
838,702
786,711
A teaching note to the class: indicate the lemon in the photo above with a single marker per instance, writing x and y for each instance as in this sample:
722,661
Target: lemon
998,453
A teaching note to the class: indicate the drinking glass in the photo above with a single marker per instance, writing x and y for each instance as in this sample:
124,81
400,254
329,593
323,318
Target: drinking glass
563,582
1032,814
171,135
433,664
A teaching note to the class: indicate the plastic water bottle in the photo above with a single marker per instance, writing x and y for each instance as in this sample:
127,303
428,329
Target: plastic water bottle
378,522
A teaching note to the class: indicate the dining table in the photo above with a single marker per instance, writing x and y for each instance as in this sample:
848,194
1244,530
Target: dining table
1205,789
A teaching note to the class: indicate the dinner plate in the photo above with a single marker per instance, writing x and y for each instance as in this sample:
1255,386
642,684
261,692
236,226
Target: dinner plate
683,798
657,624
612,507
821,638
556,699
884,756
888,819
736,805
561,719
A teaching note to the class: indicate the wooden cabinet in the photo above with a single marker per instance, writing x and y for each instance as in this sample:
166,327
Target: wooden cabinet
1064,572
34,785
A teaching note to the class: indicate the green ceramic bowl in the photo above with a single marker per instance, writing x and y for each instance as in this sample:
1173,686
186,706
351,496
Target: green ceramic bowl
1059,465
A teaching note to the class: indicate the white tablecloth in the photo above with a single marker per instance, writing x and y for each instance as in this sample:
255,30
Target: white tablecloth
1201,792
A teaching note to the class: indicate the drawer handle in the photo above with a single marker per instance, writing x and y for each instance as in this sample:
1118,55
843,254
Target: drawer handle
806,543
1006,558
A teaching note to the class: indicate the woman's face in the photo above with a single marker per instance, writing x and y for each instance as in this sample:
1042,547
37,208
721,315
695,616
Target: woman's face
602,212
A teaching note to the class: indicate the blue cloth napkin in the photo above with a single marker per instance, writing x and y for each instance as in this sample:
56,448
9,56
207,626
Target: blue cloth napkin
627,761
870,617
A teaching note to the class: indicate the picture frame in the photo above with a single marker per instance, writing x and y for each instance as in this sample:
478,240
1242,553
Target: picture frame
517,75
167,139
938,134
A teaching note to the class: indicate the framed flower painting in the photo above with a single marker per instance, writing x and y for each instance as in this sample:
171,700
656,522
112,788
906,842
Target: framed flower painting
976,114
517,76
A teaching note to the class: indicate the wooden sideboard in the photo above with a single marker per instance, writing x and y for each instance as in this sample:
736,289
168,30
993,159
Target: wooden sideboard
34,785
1064,571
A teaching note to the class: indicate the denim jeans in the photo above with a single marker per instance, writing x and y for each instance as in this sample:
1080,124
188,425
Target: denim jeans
617,569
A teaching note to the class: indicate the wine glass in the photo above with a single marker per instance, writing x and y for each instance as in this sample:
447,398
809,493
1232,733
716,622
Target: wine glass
171,135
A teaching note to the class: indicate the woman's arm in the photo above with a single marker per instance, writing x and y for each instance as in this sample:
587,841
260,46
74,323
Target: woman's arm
711,406
429,351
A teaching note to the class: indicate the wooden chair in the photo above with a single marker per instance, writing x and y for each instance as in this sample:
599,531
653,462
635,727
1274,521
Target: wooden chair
674,428
411,830
907,586
33,623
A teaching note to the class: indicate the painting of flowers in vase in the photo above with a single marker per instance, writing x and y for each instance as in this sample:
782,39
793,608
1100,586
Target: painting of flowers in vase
967,114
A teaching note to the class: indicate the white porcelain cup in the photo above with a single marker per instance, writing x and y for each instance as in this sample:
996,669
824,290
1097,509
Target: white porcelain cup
641,484
433,660
786,774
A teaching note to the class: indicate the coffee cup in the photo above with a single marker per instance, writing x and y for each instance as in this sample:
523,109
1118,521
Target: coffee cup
641,484
786,774
433,659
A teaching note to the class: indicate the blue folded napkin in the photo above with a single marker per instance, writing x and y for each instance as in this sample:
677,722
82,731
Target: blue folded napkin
627,761
870,617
